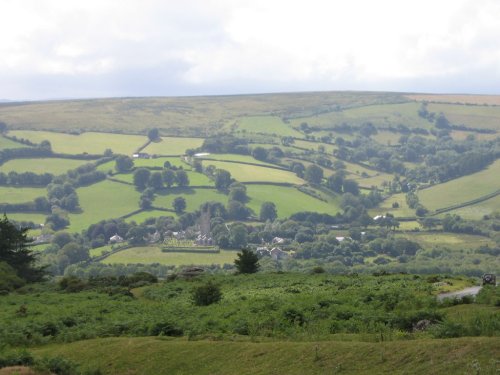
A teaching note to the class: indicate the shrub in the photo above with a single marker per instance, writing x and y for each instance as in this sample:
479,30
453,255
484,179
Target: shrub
165,329
206,294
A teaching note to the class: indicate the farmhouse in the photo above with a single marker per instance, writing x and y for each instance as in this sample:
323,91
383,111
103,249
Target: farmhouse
141,155
115,239
277,253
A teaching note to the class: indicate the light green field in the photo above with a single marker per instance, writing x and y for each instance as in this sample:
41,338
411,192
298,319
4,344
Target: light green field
234,157
194,197
55,166
386,207
288,200
378,115
478,210
173,146
199,179
91,142
245,173
375,180
104,200
142,216
6,143
20,194
386,137
24,216
267,146
462,189
266,124
125,177
98,251
158,162
155,255
452,240
472,116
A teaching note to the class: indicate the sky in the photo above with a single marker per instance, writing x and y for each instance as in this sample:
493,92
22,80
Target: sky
53,49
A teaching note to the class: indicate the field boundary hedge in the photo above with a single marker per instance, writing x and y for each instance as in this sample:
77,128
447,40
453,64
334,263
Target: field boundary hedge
247,163
465,204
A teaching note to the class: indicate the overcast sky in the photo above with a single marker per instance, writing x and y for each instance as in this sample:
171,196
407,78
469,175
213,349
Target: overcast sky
100,48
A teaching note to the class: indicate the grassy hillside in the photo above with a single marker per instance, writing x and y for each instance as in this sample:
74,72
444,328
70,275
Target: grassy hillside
164,356
55,166
6,143
10,194
462,189
479,210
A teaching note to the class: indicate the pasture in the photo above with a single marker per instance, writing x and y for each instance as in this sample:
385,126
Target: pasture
288,200
158,162
27,216
386,207
173,145
314,146
6,143
462,189
153,254
478,210
247,173
56,166
199,179
148,214
194,197
233,157
9,194
471,116
104,200
91,142
266,124
379,115
451,240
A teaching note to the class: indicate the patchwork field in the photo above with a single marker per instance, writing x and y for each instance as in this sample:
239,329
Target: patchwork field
462,189
91,142
173,146
55,166
155,255
9,194
246,173
267,125
104,200
451,240
288,200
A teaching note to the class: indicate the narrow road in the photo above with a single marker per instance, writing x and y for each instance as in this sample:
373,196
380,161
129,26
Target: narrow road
472,291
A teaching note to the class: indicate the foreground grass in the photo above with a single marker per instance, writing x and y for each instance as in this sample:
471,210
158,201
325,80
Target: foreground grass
148,355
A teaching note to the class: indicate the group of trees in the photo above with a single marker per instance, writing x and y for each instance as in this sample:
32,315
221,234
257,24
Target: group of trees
14,178
156,180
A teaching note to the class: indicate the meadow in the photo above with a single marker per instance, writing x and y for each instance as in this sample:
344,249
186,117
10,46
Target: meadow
472,116
28,216
451,240
194,197
478,210
462,189
266,124
6,143
55,166
9,194
153,254
234,158
89,142
251,173
104,200
282,196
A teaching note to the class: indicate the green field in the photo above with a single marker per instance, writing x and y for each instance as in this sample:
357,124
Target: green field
378,115
387,137
314,146
91,142
462,189
386,207
24,216
194,197
288,200
266,124
55,166
10,194
104,200
245,173
478,210
142,216
6,143
155,255
173,146
199,179
158,162
471,116
233,157
452,240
